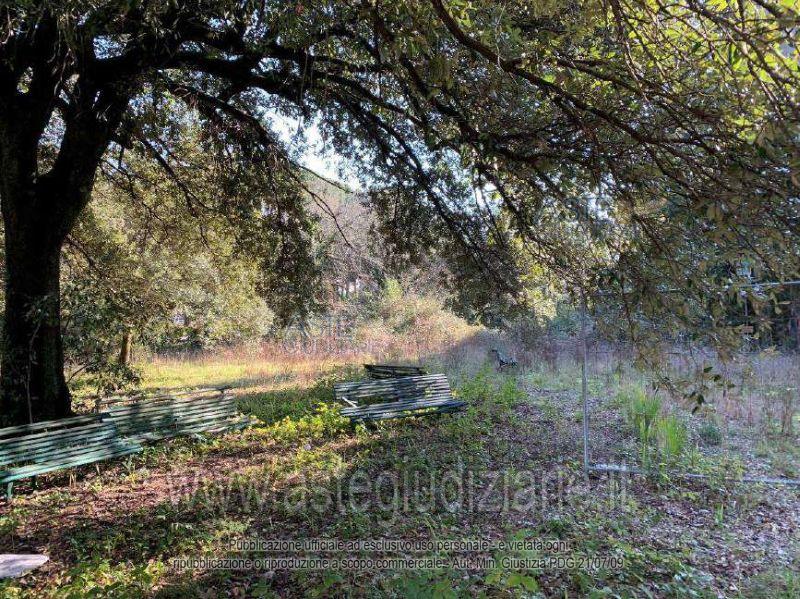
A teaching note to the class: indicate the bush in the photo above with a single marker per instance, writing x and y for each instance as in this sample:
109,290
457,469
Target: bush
408,324
709,433
326,422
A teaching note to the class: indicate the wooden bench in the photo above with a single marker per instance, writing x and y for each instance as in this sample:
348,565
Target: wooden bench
166,416
32,449
397,397
502,360
102,402
390,371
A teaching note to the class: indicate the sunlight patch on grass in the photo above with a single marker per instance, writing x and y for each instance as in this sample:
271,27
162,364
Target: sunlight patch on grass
242,371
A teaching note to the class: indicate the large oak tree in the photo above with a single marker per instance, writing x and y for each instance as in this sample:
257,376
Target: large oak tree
643,115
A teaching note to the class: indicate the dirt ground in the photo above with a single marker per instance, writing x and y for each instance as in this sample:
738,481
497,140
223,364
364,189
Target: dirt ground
113,531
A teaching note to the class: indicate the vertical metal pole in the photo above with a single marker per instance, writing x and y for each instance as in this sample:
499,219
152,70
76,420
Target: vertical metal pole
584,386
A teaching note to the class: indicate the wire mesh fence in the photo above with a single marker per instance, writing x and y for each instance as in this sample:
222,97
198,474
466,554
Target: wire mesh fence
742,412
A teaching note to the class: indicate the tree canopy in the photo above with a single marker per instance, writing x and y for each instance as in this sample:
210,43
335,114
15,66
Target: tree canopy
663,134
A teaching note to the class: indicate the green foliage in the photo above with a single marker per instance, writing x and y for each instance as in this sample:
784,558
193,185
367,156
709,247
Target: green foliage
488,389
99,577
672,435
641,412
665,432
324,423
9,523
427,585
781,583
709,432
398,320
94,327
409,313
223,309
173,275
392,293
512,581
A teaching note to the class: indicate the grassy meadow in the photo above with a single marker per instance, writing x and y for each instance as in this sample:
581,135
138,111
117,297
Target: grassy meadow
508,469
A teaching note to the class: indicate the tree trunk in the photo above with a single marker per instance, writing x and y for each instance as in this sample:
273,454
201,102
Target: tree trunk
125,348
42,199
33,383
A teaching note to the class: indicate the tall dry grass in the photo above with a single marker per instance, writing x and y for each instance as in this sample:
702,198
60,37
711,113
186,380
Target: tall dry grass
408,330
753,389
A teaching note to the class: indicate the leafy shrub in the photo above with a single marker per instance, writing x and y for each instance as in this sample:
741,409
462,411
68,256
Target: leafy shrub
99,577
325,422
93,326
510,393
407,321
222,309
709,433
